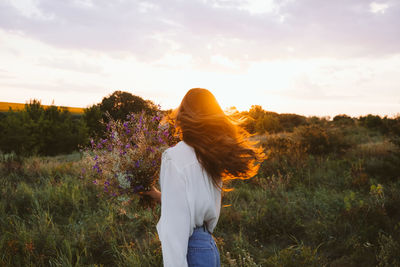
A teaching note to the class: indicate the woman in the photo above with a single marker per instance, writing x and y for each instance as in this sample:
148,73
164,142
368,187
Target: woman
213,150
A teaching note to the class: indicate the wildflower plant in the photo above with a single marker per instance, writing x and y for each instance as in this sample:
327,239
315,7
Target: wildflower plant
128,159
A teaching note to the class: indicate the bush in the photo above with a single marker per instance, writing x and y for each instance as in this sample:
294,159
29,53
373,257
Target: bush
290,121
268,123
318,141
42,131
285,155
388,254
373,122
343,120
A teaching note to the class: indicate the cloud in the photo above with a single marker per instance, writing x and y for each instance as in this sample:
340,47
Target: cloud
378,7
245,30
70,64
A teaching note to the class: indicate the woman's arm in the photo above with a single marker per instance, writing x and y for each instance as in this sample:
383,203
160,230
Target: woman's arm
174,225
153,193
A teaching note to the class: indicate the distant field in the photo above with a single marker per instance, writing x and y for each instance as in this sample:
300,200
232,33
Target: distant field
18,106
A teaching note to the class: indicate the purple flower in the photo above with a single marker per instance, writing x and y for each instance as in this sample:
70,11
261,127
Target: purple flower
155,118
137,164
97,168
95,181
138,188
127,146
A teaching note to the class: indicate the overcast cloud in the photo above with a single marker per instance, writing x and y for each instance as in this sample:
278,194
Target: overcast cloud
150,29
287,55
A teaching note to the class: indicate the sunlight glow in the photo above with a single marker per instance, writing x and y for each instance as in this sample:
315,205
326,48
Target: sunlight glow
81,78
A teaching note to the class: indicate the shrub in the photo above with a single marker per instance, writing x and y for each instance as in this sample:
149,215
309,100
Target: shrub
290,121
285,154
388,254
372,122
343,120
318,141
313,139
44,131
268,123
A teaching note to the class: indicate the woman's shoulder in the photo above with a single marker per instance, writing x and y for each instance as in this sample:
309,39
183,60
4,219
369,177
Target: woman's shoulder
182,154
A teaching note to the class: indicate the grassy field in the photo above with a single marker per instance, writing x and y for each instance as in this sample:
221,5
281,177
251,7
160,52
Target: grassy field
333,204
4,106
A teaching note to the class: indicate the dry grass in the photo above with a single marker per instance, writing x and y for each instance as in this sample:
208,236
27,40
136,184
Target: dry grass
382,148
4,106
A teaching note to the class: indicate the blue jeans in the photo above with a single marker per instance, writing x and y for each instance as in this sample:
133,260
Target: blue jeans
202,250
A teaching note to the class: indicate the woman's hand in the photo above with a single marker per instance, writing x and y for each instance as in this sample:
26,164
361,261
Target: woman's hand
153,193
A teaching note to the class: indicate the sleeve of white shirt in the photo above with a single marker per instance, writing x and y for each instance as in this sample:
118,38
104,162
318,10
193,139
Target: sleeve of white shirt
174,224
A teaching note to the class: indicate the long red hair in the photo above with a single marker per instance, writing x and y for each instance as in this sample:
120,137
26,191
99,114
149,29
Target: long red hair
222,147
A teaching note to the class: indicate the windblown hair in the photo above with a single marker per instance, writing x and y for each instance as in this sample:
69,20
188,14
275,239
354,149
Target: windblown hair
221,145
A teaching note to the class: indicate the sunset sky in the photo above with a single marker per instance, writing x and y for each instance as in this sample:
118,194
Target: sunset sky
309,57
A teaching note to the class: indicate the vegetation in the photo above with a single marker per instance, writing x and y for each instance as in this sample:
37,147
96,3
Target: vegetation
5,106
41,130
118,105
328,195
50,130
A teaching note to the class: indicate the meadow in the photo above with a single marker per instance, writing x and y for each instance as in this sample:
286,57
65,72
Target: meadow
4,107
328,195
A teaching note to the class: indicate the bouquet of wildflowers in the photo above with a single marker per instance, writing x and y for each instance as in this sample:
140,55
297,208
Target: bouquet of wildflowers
128,159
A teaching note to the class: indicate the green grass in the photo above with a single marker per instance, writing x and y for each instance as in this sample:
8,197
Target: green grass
301,210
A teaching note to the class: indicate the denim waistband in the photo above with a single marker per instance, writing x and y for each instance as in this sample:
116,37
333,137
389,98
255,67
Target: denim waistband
201,228
201,233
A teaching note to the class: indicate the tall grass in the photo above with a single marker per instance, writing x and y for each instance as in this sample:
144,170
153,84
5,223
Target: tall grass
339,206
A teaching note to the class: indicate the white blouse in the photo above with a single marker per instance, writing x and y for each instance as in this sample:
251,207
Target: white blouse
188,199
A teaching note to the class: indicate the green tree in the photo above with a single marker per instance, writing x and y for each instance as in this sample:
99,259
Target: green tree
92,116
119,104
43,131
